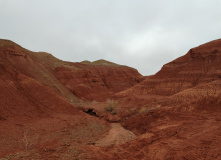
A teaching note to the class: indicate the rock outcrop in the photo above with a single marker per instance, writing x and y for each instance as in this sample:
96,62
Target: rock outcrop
97,80
73,81
199,66
174,114
27,88
36,65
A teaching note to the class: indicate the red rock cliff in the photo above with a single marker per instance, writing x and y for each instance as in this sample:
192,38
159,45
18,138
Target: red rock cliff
200,65
87,80
97,80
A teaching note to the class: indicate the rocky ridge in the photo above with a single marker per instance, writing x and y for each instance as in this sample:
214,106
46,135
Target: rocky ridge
49,108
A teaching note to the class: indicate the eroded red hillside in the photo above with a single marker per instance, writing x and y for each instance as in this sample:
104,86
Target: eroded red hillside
174,114
36,111
98,80
199,71
87,80
26,62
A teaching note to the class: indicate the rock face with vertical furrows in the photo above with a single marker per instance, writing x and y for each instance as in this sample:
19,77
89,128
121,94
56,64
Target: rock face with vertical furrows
26,76
97,80
47,108
40,93
199,66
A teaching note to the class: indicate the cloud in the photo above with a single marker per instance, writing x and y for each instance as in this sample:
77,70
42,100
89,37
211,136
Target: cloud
143,34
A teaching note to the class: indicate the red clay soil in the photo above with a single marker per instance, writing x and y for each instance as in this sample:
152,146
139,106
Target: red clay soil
97,81
199,65
194,76
35,109
174,114
164,135
32,115
28,63
90,81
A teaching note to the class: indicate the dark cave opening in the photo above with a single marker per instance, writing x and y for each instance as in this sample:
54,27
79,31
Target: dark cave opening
91,112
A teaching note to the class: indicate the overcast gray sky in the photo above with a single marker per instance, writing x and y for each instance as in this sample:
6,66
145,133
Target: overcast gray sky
144,34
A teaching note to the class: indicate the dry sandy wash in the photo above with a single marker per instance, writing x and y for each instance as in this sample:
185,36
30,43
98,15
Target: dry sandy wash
56,110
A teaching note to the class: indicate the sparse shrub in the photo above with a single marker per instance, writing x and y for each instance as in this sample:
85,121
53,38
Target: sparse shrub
142,109
26,140
29,140
112,106
94,102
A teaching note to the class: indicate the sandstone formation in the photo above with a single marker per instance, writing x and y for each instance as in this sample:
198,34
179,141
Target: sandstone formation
87,80
194,75
38,66
52,109
97,80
